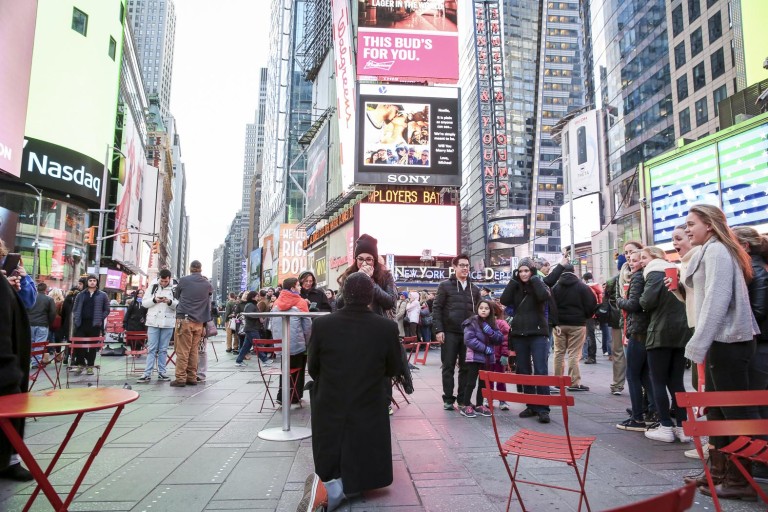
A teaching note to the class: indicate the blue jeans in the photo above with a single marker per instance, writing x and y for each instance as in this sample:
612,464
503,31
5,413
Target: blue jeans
638,376
426,333
158,339
247,345
607,337
536,348
38,333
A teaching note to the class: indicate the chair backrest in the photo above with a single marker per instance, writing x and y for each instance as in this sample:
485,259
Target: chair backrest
135,335
87,342
691,427
38,348
677,500
409,341
268,346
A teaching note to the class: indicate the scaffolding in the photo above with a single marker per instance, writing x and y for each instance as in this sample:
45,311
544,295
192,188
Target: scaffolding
318,37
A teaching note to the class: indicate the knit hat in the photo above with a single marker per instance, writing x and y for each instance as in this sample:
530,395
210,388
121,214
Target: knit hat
527,262
367,244
358,289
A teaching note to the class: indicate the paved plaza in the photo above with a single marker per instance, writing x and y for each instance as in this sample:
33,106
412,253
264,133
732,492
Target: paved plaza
196,448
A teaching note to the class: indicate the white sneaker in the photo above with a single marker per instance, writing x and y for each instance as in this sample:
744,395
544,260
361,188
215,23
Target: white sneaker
485,402
503,405
693,454
661,433
682,437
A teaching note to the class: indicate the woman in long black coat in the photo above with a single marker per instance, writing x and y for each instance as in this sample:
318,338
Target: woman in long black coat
350,353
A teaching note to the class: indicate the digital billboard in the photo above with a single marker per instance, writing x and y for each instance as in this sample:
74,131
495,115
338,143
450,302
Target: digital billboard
128,212
291,258
408,39
583,162
317,171
17,35
344,69
73,89
434,228
504,229
254,262
408,135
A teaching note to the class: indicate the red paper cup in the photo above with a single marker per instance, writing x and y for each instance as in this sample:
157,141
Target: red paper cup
672,274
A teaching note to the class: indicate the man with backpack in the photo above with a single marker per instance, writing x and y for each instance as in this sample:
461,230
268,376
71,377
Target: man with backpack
160,322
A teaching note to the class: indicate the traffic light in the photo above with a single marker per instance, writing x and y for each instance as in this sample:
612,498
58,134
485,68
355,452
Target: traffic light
90,235
156,247
124,237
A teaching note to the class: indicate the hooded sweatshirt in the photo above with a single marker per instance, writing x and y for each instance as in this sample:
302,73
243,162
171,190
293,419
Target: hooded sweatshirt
575,301
301,328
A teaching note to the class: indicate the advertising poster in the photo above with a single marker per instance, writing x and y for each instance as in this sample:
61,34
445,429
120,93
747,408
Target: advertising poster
292,258
318,264
129,194
8,222
583,162
17,36
254,277
504,229
317,171
586,220
268,273
408,39
408,135
344,69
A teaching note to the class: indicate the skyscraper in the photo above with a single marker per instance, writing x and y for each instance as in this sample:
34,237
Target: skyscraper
154,30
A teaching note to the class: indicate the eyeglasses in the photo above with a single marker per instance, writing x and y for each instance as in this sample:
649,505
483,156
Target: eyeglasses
364,260
463,265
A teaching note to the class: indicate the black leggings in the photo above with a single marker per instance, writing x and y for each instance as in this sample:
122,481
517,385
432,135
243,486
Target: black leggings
727,369
667,368
473,372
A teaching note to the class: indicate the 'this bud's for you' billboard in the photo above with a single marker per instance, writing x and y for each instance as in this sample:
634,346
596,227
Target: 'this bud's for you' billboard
408,39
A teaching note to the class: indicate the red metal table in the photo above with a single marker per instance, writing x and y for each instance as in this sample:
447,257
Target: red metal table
57,403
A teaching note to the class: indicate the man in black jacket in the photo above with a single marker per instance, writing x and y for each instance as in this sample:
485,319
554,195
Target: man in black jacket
456,300
575,304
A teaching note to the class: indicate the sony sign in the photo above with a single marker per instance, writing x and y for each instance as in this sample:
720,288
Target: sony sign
56,168
405,178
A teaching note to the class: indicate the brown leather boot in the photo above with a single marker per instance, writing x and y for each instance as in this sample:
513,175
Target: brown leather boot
734,486
717,461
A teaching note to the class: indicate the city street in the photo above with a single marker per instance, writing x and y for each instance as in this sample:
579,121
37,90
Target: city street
196,448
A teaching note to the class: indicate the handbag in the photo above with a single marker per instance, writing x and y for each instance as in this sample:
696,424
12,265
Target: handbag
232,324
210,329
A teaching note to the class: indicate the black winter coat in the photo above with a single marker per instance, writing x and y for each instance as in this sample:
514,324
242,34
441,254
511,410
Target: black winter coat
15,343
758,296
667,322
637,319
351,353
454,304
318,297
610,295
384,295
529,303
135,317
575,301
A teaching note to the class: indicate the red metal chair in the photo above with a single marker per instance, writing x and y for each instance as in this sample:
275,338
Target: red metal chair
137,347
538,445
744,446
39,351
411,345
84,343
677,500
269,347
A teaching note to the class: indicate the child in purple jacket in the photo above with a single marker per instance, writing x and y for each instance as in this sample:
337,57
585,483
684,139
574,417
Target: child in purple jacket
481,335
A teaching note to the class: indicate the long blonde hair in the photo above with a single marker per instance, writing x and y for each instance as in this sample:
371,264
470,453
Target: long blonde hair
56,294
715,218
654,252
758,244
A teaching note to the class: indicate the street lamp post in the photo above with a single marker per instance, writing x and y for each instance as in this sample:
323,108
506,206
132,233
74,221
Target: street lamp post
103,208
36,257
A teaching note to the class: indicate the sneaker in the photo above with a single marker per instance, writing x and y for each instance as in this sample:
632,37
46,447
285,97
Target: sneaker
693,454
483,411
578,387
503,405
651,418
485,402
390,410
661,433
89,371
178,384
163,377
268,362
590,360
17,473
229,351
315,496
631,424
527,413
680,435
448,406
606,354
241,365
616,392
144,379
79,370
467,411
543,417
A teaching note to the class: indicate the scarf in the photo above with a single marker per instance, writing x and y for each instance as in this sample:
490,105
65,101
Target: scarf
289,299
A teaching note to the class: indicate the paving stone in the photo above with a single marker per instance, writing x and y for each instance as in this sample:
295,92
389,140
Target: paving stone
428,457
180,443
131,481
256,478
206,466
177,498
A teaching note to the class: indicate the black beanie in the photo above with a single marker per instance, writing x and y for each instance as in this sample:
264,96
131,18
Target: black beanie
358,289
367,244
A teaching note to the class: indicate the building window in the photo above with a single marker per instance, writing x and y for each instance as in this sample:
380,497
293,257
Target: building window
699,77
677,20
702,116
694,10
679,55
79,21
717,61
710,3
682,87
697,42
112,48
719,95
685,121
715,27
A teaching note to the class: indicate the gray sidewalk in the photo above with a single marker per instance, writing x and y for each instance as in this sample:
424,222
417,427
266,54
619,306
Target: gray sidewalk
196,448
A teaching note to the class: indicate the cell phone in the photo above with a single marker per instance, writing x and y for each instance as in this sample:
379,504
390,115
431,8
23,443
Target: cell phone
12,260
